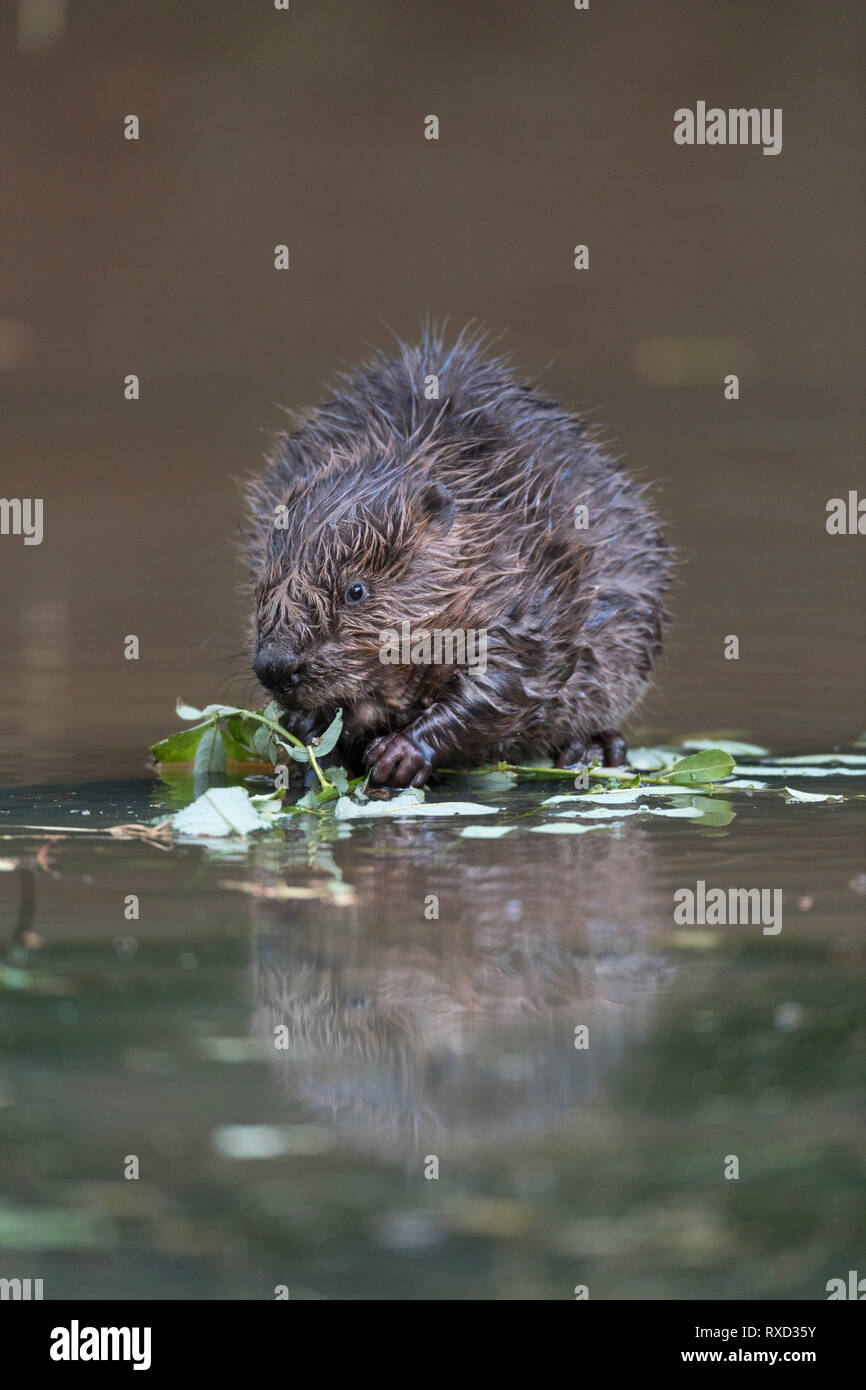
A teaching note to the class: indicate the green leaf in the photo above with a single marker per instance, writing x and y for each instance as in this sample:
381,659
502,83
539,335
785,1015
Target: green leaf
300,755
269,806
222,711
219,812
330,736
272,712
650,759
339,778
709,766
238,737
265,744
210,755
187,711
179,747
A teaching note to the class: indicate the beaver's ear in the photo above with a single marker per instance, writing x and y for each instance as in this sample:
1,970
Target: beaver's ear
434,504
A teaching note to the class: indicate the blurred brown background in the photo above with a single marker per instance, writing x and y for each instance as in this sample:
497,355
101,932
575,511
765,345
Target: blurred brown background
307,127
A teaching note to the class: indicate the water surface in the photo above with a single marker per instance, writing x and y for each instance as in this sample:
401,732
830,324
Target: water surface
409,1039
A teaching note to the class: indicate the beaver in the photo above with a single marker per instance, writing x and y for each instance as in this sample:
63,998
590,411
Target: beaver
439,494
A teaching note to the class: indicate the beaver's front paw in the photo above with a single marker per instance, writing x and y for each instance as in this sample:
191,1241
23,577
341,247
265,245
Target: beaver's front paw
396,760
607,747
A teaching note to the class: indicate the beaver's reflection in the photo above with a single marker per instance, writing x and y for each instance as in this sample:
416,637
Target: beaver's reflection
407,1032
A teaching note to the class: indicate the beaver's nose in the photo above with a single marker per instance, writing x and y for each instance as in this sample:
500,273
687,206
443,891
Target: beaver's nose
277,668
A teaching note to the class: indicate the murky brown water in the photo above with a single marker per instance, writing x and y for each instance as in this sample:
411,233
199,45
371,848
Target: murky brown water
411,1038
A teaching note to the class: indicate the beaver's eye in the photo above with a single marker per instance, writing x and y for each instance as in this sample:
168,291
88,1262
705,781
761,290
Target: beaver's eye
356,592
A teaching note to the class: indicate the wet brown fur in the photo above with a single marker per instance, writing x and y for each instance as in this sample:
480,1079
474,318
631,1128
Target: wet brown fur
456,513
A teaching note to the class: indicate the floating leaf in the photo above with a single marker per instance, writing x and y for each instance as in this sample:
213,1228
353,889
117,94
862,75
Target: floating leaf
709,810
792,795
612,798
562,828
727,745
409,803
619,796
650,759
269,806
708,766
485,832
662,789
219,812
803,770
847,759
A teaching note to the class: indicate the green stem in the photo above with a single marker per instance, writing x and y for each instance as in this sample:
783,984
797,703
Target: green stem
570,772
661,777
323,782
329,793
277,728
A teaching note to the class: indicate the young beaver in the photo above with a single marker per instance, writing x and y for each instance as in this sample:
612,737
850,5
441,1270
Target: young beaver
487,510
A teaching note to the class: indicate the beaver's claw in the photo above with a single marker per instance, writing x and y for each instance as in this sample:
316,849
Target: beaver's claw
607,746
396,760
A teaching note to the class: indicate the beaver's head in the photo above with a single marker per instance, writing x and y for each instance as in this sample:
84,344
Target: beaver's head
350,558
